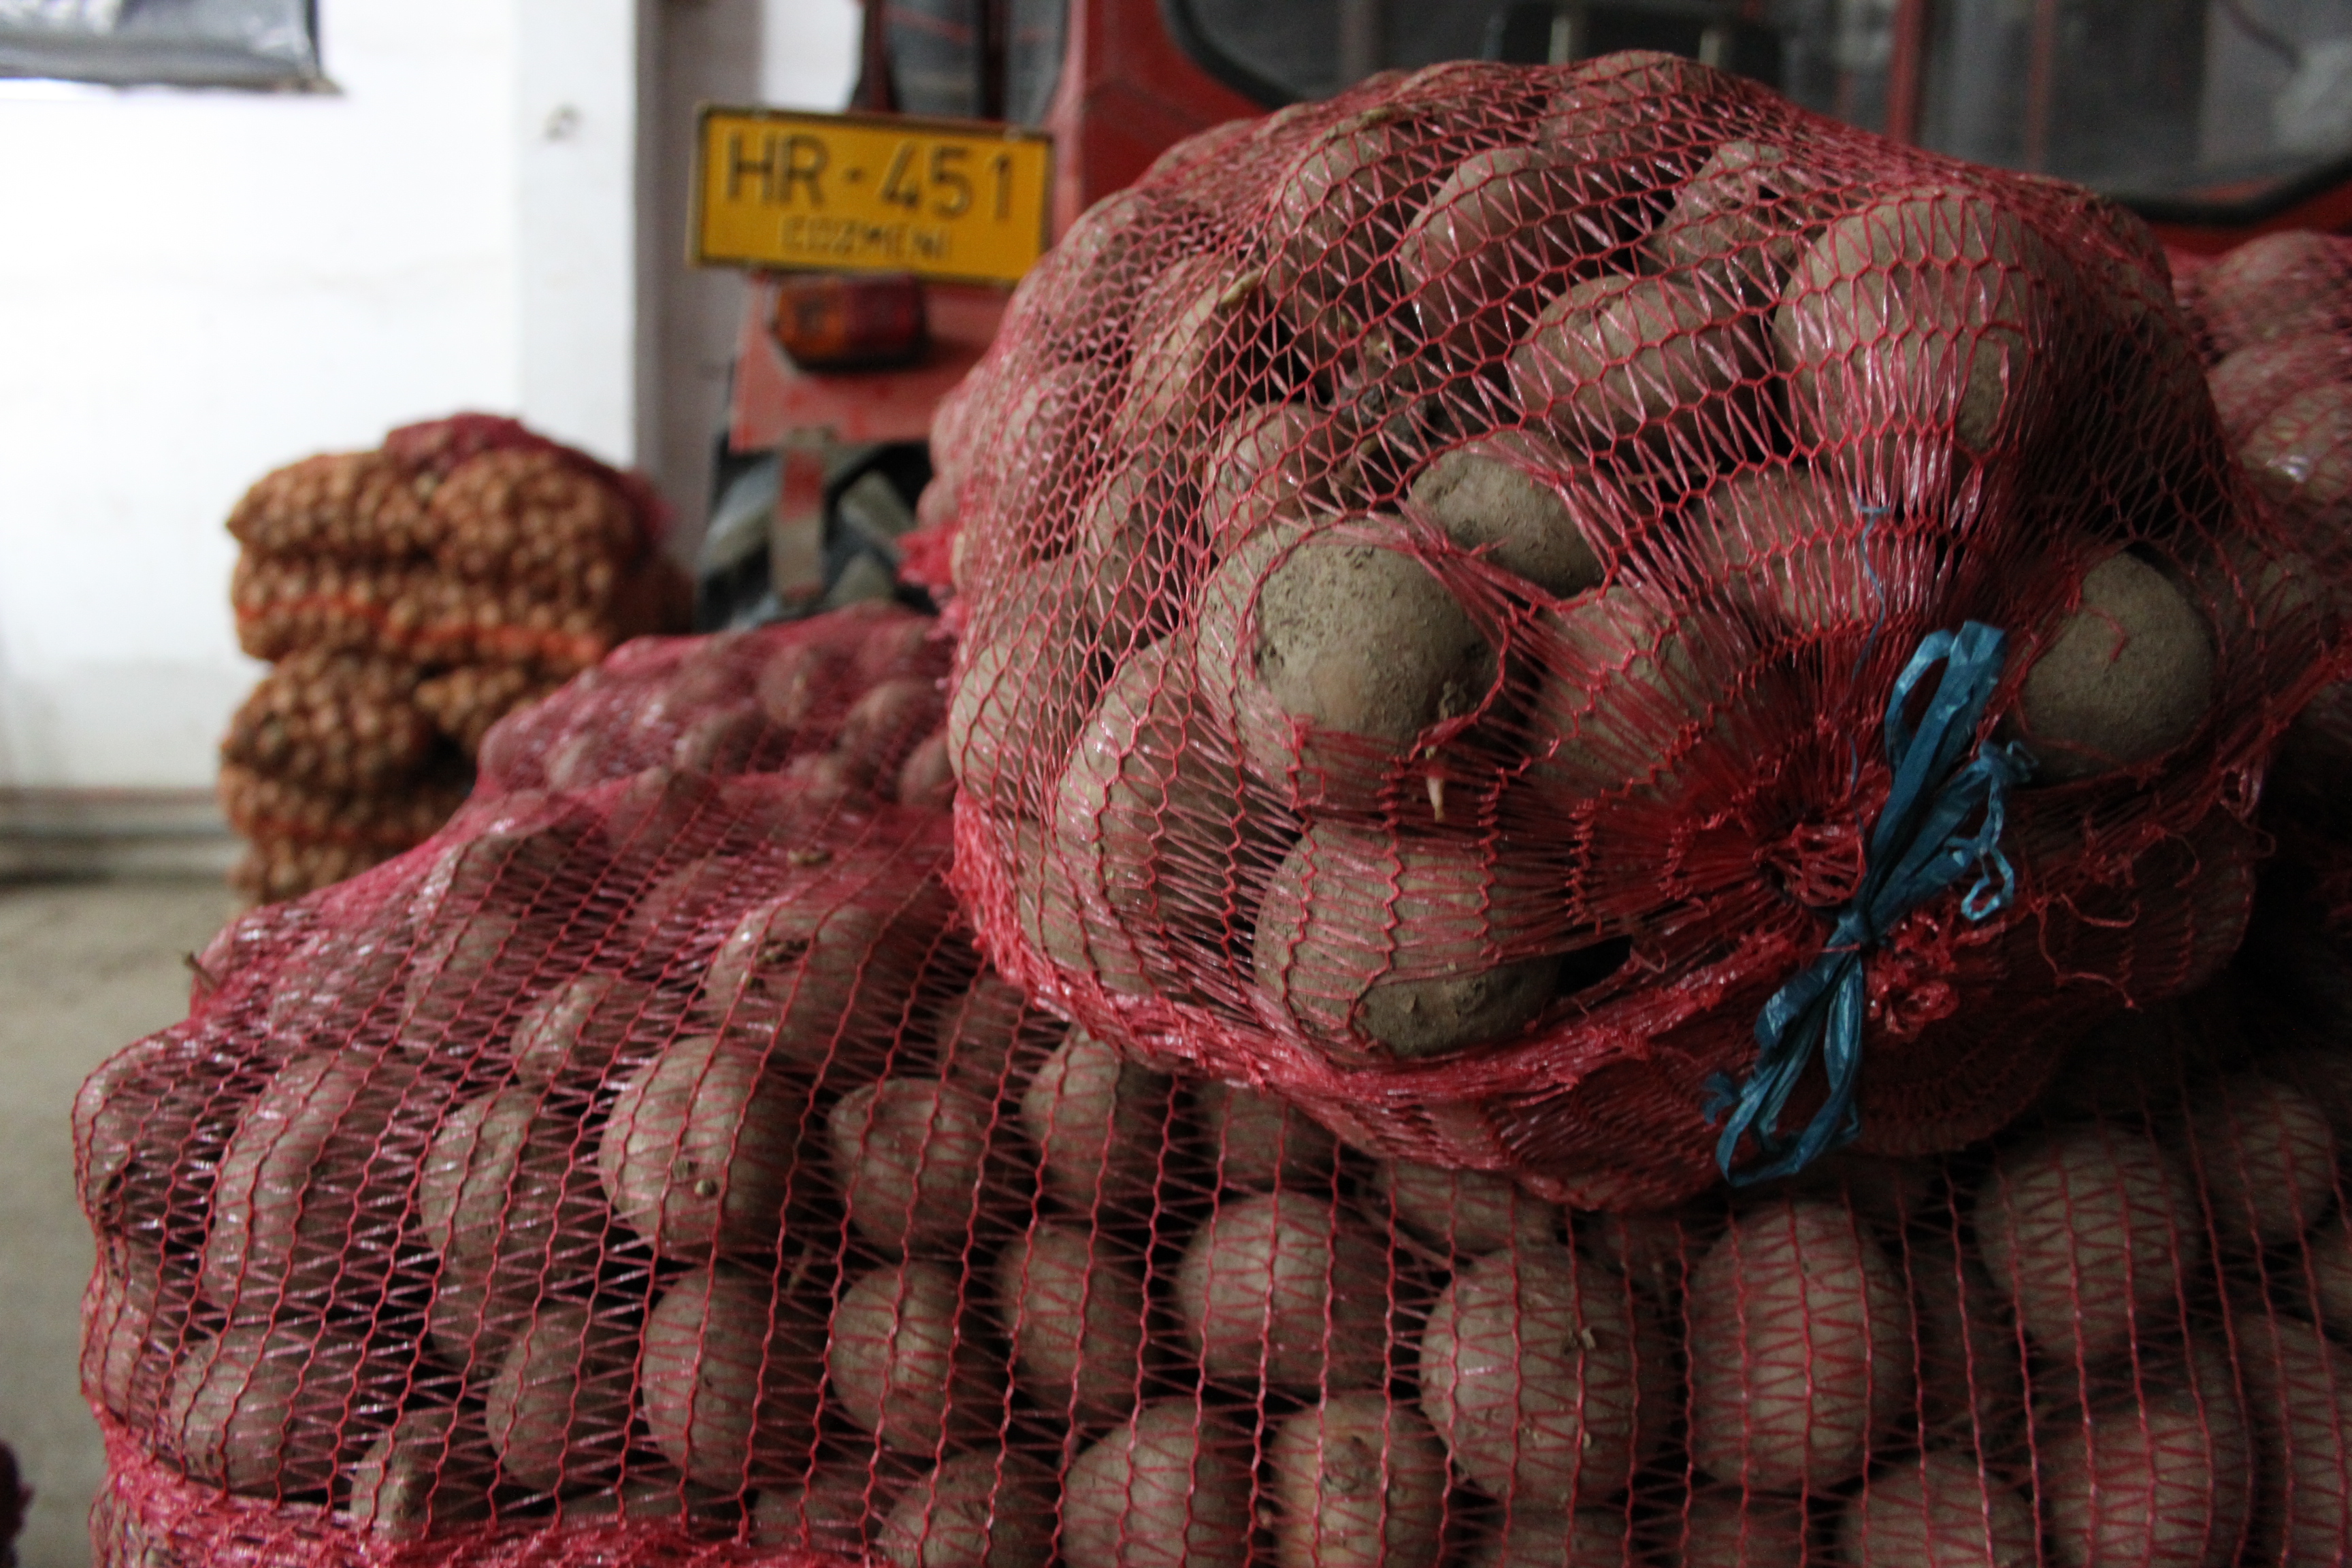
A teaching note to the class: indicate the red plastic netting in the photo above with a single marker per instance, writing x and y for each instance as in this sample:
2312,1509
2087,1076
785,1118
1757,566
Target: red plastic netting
517,1232
1435,578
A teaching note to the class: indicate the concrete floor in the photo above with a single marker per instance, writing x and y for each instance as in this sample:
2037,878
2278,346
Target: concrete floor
85,969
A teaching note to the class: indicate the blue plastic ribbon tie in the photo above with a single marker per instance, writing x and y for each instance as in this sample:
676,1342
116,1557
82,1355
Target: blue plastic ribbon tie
1916,850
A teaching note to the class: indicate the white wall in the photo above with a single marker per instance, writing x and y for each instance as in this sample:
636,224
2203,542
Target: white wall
197,287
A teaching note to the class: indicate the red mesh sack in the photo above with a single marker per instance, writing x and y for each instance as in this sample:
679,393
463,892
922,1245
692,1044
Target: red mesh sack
965,1287
388,1224
437,448
848,701
332,720
1476,589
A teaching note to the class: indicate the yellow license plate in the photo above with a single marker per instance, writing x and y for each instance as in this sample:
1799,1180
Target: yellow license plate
860,193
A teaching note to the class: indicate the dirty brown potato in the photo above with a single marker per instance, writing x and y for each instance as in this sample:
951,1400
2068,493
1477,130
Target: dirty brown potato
558,1410
1803,1354
821,972
2250,385
508,1198
1507,226
1724,1530
919,1164
1496,493
1289,461
298,1186
2126,676
2090,1232
1073,1310
1199,327
1745,216
885,723
1915,325
1463,1213
1669,373
1938,1508
430,1473
702,1154
838,1509
572,1035
263,1409
1337,210
1358,1482
2300,456
2276,286
1333,654
1101,1125
2298,1389
1284,1290
1254,1143
1606,115
2162,1471
1170,1489
904,1363
925,780
990,1510
1623,694
732,1372
1029,676
992,1039
1154,815
2265,1160
1066,918
1549,1378
1586,1537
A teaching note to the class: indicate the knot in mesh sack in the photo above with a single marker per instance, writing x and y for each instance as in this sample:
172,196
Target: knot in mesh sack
1438,578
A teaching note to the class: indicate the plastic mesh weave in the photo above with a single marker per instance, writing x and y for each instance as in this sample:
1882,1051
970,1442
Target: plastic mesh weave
503,1239
1435,565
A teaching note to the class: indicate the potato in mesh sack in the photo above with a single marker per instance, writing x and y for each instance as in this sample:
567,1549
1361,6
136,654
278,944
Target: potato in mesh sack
849,703
464,703
332,720
342,506
264,806
410,611
1591,623
526,517
273,868
2277,311
449,1222
2275,315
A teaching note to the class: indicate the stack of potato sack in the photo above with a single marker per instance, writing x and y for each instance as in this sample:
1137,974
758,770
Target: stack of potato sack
654,1171
1588,622
407,598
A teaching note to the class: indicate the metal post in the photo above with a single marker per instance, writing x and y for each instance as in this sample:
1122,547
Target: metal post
1905,66
992,25
1363,38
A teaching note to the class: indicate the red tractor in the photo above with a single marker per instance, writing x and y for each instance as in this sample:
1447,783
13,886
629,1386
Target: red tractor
2215,119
